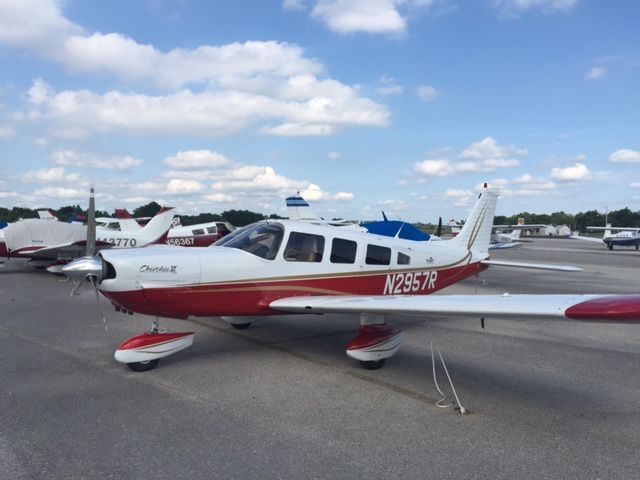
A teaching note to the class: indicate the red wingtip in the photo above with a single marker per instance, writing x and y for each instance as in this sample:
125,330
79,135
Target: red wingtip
610,308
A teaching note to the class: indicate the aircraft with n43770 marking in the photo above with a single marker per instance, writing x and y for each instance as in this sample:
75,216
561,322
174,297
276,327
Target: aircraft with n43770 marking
311,266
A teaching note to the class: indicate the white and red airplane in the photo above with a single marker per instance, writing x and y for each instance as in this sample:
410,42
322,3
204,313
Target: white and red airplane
198,235
52,243
277,266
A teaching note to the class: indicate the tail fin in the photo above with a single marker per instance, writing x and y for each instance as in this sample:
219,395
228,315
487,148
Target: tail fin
299,209
515,235
159,225
47,214
126,221
476,232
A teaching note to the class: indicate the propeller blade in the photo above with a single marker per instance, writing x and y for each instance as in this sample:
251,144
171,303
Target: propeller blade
91,226
439,229
94,282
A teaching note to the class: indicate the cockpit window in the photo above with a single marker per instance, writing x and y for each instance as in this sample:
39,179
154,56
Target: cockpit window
261,239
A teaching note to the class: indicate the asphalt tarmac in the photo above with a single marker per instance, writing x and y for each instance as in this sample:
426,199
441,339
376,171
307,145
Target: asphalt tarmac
547,399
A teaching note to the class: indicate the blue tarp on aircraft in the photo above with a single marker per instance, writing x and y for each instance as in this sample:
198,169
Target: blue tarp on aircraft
390,228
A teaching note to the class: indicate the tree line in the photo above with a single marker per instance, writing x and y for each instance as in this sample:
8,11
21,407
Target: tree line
239,218
618,218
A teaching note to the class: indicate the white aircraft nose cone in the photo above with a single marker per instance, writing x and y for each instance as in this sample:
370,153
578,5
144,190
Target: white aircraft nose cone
83,268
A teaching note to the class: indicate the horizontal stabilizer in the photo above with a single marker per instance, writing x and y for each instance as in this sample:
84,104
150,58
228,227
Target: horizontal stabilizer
535,266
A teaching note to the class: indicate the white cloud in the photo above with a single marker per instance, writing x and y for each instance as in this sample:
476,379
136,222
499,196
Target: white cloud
206,114
635,184
389,86
529,185
595,73
343,196
7,132
516,8
40,27
293,4
298,130
579,171
625,156
184,187
334,155
219,198
440,167
427,93
44,175
240,84
460,197
193,159
71,158
61,193
483,156
488,149
372,16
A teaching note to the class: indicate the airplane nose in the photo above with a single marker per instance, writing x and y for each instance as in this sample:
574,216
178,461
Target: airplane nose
83,268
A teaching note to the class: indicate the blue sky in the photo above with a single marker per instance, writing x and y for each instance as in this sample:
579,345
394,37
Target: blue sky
405,106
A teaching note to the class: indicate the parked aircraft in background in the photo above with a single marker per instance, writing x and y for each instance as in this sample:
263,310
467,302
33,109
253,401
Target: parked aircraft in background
623,236
277,266
299,209
501,240
198,235
49,243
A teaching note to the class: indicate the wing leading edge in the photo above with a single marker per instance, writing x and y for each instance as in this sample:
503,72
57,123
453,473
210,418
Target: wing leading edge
588,308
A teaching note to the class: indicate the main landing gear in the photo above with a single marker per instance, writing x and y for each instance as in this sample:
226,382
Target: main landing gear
375,342
143,352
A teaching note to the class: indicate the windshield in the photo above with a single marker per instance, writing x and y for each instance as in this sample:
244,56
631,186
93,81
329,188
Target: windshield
261,239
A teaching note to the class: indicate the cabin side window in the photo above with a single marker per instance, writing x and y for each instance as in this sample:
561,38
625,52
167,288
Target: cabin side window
198,231
377,255
304,247
403,259
212,230
343,251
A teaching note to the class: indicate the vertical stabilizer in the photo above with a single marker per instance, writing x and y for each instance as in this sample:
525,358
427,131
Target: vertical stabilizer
159,225
476,232
298,209
515,235
126,221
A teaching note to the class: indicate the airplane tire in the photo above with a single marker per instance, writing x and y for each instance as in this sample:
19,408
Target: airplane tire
372,364
611,247
241,326
143,366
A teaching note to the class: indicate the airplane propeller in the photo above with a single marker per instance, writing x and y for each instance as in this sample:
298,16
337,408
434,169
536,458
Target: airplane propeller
439,229
89,267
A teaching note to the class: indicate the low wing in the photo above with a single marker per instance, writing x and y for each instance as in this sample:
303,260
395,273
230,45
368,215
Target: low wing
586,239
614,229
589,308
500,246
65,250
